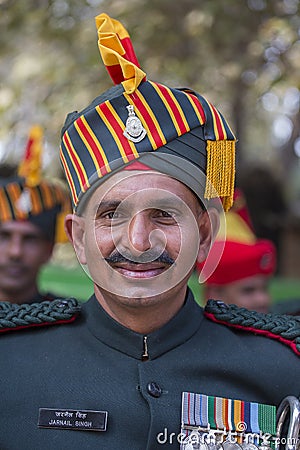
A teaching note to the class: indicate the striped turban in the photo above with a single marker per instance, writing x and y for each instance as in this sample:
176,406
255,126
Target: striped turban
24,196
141,119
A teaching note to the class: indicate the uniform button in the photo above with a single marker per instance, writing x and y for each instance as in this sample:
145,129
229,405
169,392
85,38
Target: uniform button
154,389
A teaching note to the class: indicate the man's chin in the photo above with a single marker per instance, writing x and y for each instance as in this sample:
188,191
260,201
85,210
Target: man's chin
132,291
135,294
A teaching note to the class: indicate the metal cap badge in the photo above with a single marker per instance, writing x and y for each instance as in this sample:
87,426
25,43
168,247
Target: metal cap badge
134,130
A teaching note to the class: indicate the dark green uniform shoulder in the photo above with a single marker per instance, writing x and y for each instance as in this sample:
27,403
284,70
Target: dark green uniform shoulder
17,317
284,328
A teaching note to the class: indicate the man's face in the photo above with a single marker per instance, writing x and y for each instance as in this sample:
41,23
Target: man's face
23,250
251,293
142,235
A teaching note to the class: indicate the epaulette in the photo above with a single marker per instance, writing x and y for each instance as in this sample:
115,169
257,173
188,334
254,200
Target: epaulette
17,317
284,328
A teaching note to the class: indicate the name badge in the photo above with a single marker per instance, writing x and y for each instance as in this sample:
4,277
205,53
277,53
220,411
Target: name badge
72,419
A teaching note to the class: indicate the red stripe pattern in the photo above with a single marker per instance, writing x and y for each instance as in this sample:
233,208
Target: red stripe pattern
164,113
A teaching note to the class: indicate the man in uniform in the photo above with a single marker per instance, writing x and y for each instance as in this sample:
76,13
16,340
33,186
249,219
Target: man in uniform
141,365
246,265
31,222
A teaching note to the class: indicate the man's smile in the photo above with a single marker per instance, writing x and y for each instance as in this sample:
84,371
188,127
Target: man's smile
142,270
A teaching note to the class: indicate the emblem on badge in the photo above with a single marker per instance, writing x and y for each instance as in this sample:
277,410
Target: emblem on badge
134,130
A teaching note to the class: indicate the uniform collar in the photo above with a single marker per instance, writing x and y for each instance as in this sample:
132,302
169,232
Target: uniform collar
178,330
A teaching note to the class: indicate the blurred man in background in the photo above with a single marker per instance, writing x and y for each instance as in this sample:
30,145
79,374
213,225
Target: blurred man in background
243,273
31,222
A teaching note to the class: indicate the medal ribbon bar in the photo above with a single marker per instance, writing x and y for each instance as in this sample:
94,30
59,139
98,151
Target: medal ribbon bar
220,418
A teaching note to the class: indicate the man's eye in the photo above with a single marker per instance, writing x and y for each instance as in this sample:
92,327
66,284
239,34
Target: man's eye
248,290
166,214
4,236
111,215
31,239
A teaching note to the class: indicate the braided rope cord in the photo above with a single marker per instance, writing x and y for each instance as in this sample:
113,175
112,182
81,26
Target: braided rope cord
13,315
288,327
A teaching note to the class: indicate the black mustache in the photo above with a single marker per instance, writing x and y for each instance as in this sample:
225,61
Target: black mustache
149,256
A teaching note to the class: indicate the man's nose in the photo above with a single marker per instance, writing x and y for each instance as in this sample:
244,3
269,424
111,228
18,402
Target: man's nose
139,231
262,301
15,247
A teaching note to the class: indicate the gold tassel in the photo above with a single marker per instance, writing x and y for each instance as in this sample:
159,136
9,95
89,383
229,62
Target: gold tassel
220,171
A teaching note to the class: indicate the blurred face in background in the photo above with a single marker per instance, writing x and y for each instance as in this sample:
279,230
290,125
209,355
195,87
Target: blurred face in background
251,293
23,250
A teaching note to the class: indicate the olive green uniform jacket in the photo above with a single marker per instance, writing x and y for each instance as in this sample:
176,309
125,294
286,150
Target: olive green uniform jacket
96,364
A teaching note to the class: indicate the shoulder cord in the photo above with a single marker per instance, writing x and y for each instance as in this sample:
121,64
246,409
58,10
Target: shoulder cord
14,315
282,325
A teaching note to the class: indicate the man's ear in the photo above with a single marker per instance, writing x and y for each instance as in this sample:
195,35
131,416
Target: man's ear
209,223
74,227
